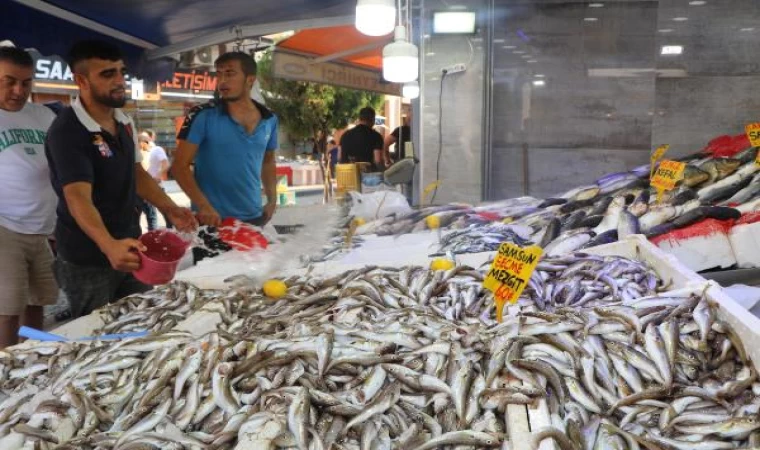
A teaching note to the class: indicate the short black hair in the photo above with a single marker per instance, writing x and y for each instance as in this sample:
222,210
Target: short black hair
17,56
92,49
246,61
367,114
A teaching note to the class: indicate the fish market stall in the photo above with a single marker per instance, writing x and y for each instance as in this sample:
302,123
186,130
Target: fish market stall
404,354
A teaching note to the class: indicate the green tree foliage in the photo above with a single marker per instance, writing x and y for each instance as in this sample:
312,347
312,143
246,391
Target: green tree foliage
310,110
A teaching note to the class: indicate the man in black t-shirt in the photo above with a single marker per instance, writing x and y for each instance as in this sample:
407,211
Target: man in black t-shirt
362,143
96,173
400,136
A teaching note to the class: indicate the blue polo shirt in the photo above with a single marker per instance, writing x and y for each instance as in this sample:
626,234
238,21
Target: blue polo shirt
228,162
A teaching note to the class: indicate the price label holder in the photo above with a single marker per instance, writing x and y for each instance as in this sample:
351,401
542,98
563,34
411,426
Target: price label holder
656,156
509,274
429,190
666,176
753,133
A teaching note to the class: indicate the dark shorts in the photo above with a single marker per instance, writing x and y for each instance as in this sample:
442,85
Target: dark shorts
89,287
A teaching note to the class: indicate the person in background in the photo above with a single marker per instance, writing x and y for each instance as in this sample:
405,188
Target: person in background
362,143
151,216
333,154
232,143
95,169
27,202
156,163
400,136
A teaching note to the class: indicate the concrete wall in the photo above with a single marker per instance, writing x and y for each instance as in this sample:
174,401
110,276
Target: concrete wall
461,141
609,95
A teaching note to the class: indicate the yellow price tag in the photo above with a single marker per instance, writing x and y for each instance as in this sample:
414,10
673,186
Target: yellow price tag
753,133
509,274
656,156
429,190
666,176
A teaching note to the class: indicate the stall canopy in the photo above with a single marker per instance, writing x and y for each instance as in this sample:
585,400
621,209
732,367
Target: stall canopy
153,29
338,55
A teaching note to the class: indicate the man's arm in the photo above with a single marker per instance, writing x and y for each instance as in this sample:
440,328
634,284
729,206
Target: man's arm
182,172
148,189
269,180
389,140
121,252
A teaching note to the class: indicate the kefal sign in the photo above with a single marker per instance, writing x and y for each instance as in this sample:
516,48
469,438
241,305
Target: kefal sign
191,81
297,67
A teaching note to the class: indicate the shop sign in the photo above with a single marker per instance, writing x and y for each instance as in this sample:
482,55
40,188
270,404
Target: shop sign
666,176
51,68
300,68
510,272
191,81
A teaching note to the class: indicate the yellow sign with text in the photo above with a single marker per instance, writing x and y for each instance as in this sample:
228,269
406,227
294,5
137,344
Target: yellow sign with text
666,176
509,274
656,156
753,133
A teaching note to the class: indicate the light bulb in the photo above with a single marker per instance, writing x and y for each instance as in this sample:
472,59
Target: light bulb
411,90
400,59
375,17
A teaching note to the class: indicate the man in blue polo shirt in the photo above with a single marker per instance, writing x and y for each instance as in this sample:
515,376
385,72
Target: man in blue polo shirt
231,143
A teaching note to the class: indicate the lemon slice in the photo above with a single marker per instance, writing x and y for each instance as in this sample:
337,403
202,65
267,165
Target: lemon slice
433,222
275,288
441,264
359,221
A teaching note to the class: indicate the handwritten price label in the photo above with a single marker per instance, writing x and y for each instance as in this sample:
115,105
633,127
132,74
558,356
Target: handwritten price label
656,156
666,176
510,271
753,133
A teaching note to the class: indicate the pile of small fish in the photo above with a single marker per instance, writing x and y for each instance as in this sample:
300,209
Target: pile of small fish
158,310
480,238
400,358
615,206
339,244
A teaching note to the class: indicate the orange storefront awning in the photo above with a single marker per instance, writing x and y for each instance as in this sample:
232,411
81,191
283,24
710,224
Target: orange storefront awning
340,56
346,43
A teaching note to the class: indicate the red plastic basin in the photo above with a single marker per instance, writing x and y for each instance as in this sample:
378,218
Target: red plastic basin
158,263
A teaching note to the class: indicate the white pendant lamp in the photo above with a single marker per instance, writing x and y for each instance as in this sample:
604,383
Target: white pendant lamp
375,17
400,59
411,90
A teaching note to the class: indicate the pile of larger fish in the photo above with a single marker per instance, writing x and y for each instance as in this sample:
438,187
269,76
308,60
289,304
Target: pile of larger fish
613,207
398,358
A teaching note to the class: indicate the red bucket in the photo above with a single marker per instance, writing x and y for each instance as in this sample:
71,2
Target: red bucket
158,263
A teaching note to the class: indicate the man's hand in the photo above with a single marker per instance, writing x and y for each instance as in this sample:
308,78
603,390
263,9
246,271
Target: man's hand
122,254
207,215
182,218
269,209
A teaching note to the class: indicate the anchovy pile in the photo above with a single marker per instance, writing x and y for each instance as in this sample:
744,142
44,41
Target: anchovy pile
160,309
383,358
336,246
479,238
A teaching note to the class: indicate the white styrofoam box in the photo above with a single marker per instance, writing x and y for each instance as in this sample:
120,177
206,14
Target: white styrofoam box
699,247
81,327
673,273
745,242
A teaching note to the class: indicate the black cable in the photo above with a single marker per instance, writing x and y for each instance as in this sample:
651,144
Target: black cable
440,138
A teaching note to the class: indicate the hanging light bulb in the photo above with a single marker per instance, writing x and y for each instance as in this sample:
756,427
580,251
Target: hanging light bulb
375,17
411,90
400,59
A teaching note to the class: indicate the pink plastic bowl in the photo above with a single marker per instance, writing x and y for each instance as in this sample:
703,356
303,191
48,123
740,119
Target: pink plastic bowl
158,263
